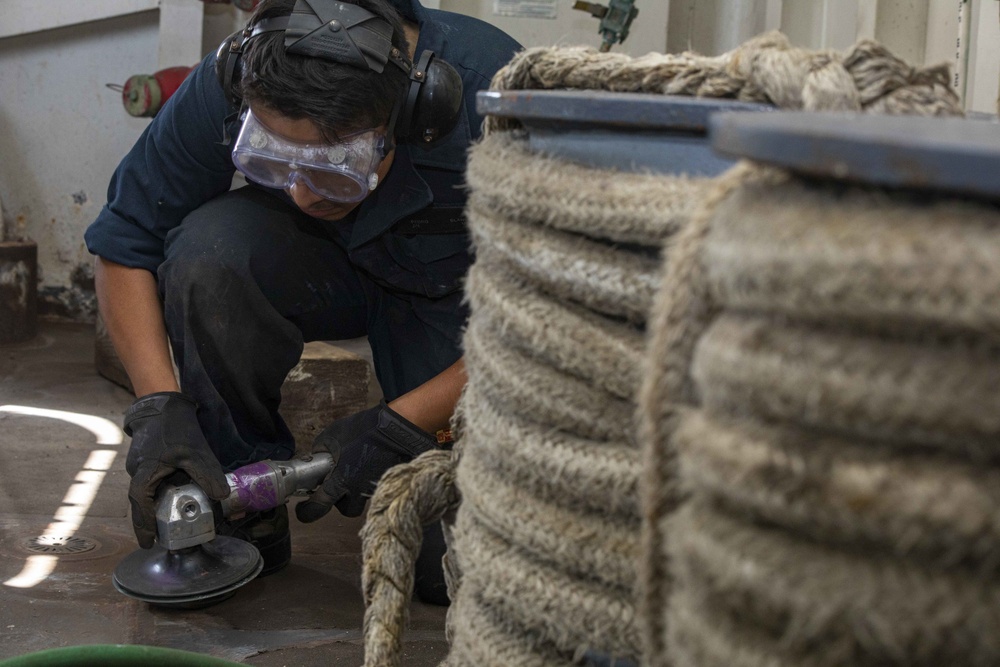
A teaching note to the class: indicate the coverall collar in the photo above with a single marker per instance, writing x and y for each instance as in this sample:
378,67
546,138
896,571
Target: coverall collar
403,192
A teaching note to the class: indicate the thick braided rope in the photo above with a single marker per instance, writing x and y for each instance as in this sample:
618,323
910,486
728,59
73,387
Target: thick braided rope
477,636
941,395
518,384
539,245
505,177
547,533
682,309
567,611
866,607
484,639
844,491
602,351
704,636
407,498
596,275
840,382
873,258
813,81
586,545
866,77
575,473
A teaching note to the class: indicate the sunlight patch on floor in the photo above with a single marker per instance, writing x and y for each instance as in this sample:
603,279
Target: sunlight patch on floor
80,495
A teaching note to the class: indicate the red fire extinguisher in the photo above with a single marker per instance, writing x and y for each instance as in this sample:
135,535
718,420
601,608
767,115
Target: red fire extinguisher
145,94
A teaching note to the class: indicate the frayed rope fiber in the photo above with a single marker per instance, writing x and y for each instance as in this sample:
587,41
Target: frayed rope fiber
866,77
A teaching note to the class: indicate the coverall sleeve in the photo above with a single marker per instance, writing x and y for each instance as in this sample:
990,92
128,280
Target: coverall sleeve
178,163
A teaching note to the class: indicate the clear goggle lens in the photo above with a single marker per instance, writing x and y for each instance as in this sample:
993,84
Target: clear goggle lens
341,172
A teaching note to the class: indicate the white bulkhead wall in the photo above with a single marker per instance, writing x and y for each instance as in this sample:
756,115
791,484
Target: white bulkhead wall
62,132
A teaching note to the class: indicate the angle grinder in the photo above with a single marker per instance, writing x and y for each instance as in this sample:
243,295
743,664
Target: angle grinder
192,567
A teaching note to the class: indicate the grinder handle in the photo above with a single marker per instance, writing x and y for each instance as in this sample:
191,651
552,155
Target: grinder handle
184,513
266,484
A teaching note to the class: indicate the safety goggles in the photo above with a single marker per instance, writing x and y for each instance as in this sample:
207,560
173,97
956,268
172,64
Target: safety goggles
340,172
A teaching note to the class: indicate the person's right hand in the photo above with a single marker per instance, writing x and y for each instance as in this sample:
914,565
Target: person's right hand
166,437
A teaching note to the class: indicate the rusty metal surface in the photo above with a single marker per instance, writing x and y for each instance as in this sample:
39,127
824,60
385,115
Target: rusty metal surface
18,291
629,131
957,155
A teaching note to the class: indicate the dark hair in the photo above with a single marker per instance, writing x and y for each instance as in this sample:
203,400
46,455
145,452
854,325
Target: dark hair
337,97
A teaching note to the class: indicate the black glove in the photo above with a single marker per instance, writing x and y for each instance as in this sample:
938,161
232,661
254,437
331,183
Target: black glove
166,437
363,446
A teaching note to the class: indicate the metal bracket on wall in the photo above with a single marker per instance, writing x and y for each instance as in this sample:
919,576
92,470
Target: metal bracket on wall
616,18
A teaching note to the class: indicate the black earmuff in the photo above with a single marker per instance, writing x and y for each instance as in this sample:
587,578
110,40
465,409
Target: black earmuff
433,102
227,61
345,33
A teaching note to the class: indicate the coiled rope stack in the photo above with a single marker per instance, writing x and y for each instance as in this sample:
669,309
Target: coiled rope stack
548,529
824,387
546,537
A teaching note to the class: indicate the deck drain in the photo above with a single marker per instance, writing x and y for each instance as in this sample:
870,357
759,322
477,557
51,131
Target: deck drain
59,546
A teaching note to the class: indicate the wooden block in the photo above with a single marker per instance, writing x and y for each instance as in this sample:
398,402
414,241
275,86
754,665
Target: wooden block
327,383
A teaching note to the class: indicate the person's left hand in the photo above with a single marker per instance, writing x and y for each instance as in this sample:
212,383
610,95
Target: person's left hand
363,447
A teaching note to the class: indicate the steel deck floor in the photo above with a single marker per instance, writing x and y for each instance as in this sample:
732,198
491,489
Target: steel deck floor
63,476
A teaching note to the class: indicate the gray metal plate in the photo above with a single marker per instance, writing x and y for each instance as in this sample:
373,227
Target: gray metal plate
627,131
960,155
627,111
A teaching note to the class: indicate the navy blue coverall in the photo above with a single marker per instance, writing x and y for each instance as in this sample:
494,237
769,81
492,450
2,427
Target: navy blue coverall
246,278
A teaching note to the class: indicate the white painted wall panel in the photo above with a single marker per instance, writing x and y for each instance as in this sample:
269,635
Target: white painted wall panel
942,29
829,24
901,25
983,79
18,17
802,21
62,132
181,28
573,27
715,26
712,27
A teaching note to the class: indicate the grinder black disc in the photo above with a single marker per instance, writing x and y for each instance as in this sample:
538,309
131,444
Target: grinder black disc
190,578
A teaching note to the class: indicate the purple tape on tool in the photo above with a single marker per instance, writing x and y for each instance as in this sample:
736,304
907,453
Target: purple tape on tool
255,488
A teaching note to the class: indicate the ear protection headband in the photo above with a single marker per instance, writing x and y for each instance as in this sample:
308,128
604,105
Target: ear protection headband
345,33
